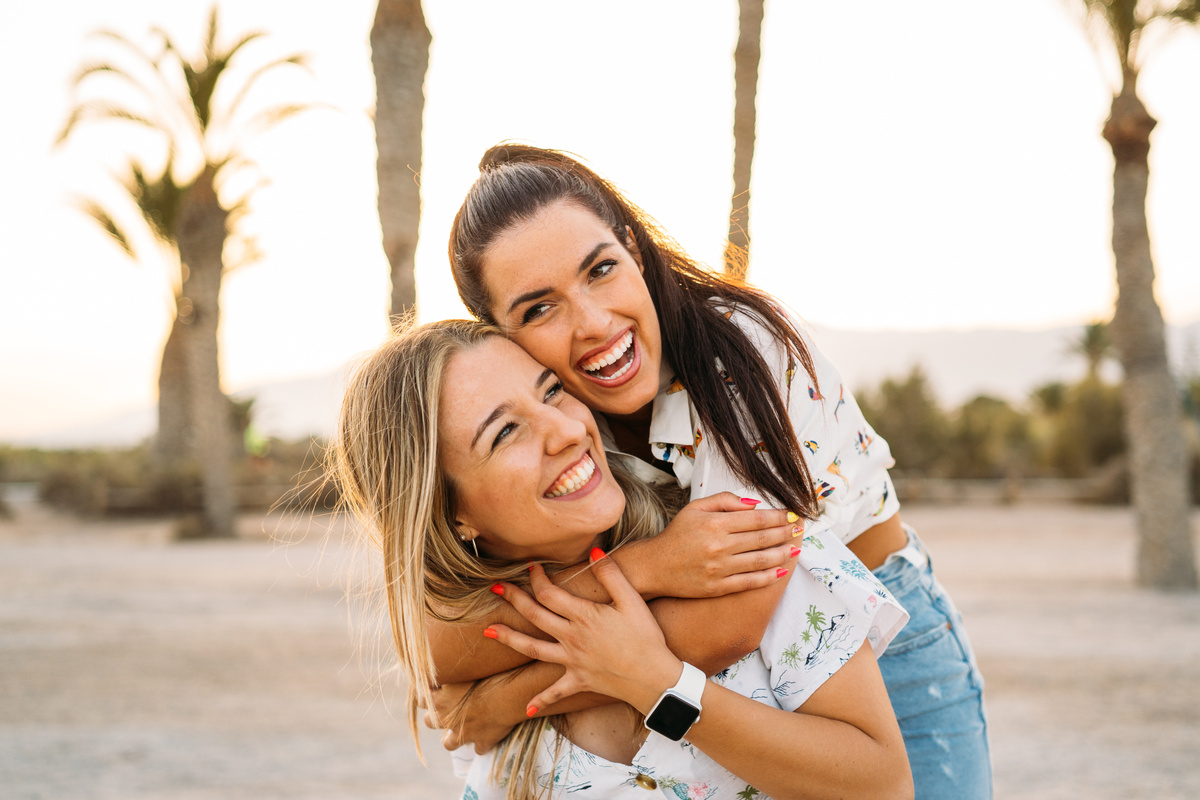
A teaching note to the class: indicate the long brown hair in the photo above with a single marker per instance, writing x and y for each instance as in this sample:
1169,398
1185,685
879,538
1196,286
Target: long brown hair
384,460
749,424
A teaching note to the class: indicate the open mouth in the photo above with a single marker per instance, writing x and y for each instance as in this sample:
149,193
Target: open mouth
579,476
613,363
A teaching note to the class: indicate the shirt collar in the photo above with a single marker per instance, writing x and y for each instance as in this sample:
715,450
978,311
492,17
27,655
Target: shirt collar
671,415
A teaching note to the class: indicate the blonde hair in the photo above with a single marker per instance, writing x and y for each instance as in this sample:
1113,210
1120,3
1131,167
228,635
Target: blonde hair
384,459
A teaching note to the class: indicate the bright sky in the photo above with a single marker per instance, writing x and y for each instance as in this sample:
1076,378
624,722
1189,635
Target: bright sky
914,170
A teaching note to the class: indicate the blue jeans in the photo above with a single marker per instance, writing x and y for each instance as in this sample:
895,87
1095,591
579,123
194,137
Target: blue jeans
934,684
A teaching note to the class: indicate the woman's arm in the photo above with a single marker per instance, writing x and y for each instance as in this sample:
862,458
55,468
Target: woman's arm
714,549
843,741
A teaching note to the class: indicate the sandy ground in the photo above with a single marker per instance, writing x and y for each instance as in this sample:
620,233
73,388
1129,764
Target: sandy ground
133,667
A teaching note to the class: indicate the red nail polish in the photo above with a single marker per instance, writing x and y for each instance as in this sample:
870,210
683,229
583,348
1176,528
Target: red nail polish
597,554
530,567
498,589
490,633
779,573
529,712
750,501
795,552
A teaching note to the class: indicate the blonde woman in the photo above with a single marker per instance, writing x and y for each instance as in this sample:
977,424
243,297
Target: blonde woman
468,463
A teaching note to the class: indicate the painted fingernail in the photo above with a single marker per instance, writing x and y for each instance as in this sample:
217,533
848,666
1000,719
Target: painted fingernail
793,516
529,712
795,552
779,573
497,589
750,501
797,530
597,554
530,567
490,633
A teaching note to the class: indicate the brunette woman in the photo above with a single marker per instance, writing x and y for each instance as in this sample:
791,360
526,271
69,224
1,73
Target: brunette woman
713,384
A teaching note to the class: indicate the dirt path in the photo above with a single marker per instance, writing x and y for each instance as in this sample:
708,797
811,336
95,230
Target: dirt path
131,667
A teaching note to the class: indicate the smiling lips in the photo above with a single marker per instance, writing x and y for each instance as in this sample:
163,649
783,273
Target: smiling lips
615,362
574,478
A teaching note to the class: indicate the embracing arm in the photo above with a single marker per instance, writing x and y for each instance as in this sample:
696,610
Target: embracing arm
714,551
843,741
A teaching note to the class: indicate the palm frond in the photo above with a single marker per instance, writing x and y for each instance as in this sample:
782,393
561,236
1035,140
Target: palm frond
268,118
298,59
240,43
210,36
1187,12
99,110
105,220
129,46
105,67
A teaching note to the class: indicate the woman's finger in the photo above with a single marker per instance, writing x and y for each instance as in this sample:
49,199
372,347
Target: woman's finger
759,560
562,688
614,582
532,610
764,538
537,649
555,598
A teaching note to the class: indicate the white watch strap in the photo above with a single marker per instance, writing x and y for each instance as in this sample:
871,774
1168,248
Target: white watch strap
691,683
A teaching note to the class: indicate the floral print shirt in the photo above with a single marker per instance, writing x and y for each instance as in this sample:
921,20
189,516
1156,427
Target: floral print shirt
847,459
832,603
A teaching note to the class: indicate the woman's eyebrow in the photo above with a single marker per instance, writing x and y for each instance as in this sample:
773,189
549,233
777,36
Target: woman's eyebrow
497,412
536,293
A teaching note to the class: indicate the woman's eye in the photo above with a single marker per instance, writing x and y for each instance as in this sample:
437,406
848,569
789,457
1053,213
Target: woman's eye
554,391
534,311
602,269
503,434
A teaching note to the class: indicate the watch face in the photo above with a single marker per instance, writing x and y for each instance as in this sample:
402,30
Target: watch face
672,717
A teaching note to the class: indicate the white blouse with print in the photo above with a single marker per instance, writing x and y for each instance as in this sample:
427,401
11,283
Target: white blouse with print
832,603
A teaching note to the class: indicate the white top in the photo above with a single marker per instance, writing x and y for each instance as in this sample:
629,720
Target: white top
832,603
848,461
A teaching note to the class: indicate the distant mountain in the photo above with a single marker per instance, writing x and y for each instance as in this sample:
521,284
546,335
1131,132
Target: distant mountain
959,365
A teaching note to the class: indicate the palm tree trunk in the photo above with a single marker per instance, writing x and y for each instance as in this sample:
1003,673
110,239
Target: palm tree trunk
201,239
172,442
1153,411
400,57
745,89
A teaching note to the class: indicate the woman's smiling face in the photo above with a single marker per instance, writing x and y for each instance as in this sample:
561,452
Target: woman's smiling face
566,289
529,473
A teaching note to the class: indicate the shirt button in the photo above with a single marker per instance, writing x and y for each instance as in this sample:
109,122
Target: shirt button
645,781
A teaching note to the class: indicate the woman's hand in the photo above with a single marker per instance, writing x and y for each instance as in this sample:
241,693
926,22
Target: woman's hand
461,709
715,546
616,650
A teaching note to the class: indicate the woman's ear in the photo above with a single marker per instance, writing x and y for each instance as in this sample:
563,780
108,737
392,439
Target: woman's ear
465,531
631,245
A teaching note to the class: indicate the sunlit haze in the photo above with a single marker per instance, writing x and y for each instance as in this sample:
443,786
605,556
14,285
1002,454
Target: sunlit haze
915,169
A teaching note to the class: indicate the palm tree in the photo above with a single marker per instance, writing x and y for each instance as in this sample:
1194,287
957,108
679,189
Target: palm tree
745,88
400,57
1153,412
1094,345
178,108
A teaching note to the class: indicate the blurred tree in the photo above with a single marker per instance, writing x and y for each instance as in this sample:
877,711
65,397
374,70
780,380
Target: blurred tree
1049,398
1088,428
988,439
906,414
1154,422
745,89
399,57
1094,345
177,105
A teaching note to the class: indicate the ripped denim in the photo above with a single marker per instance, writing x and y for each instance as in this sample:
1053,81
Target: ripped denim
934,684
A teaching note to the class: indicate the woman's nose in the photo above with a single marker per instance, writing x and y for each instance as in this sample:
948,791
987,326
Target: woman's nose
591,321
562,431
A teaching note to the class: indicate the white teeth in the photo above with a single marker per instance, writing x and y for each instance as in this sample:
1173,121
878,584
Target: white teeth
612,355
571,481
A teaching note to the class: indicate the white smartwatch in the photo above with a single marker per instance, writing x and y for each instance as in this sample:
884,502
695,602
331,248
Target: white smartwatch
679,707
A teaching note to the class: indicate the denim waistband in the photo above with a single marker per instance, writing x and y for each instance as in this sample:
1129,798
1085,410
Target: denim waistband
913,552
